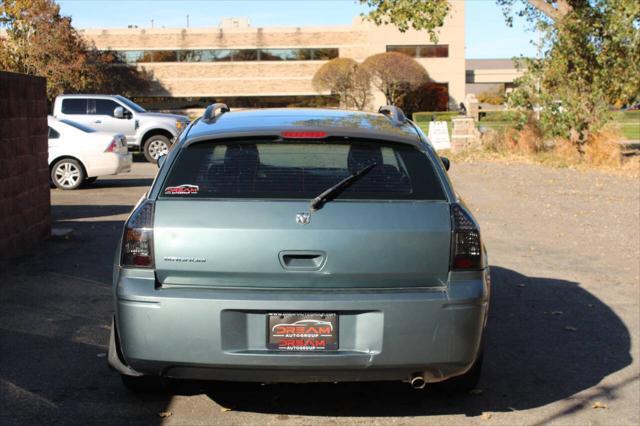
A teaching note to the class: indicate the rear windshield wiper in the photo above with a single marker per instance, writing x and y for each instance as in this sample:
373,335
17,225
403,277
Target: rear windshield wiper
331,193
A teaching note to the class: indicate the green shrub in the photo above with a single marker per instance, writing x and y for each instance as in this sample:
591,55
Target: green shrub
493,97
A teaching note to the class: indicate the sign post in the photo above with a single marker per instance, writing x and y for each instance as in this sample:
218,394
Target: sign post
439,135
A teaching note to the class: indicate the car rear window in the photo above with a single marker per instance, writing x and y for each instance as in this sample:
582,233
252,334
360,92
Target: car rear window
300,170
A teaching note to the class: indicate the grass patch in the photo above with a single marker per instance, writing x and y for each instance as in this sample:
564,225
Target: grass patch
496,125
427,116
629,123
627,115
630,129
422,119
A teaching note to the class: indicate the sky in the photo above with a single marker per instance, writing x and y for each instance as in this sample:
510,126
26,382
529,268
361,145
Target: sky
487,35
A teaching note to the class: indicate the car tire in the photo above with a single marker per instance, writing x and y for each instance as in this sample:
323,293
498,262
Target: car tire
142,384
155,146
464,383
67,174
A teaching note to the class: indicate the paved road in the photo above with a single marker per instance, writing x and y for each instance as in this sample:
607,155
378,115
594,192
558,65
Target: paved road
563,330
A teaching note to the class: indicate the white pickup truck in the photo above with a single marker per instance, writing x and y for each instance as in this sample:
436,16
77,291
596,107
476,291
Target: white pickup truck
152,133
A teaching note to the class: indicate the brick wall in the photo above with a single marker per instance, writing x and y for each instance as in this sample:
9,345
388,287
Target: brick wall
25,213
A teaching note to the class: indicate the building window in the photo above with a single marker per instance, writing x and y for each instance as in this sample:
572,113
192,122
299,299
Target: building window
131,56
222,55
285,54
433,51
421,50
324,54
409,50
244,55
180,103
164,55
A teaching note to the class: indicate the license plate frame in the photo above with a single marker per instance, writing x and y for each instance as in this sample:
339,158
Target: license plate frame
302,331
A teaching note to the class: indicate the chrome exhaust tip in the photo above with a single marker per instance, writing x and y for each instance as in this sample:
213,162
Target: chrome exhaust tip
417,382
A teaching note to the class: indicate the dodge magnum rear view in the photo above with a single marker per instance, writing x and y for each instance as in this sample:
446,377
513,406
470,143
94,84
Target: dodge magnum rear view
300,245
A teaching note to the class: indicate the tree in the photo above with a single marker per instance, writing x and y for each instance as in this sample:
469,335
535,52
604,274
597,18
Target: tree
394,74
428,96
361,90
404,14
589,63
39,41
590,56
344,78
429,15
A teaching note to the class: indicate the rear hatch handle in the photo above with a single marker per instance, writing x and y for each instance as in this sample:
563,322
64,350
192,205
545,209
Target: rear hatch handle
302,260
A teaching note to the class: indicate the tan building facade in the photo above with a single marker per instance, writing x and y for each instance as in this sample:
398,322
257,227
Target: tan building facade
239,61
492,74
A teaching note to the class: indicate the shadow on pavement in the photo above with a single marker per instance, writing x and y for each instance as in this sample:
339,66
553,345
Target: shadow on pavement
110,182
67,212
118,183
138,157
56,306
546,340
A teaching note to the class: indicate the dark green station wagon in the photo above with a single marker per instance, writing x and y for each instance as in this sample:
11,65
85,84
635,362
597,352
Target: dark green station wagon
300,245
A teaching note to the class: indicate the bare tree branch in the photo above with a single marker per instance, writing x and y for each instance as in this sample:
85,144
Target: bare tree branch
554,13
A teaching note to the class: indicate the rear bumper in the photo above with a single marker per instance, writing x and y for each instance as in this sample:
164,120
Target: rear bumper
221,334
112,164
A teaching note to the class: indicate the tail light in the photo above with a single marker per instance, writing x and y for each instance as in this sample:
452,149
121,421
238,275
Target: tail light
113,146
466,246
287,134
137,241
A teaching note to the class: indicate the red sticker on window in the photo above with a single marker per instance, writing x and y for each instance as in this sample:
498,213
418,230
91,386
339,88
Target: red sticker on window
182,189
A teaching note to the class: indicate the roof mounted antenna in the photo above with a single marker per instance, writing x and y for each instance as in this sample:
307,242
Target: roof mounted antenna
394,113
214,111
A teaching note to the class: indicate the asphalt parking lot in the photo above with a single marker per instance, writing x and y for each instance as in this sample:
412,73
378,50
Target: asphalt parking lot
562,336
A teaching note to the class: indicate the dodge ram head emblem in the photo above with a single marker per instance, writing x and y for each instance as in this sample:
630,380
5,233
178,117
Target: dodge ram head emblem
303,218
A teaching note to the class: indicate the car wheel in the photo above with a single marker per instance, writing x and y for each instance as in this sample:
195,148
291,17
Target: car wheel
142,384
466,382
156,146
67,174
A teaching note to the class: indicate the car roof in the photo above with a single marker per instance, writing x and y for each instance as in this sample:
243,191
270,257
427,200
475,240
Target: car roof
85,95
335,122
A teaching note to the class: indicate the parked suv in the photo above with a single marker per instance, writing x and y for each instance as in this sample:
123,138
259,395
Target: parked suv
300,245
151,132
